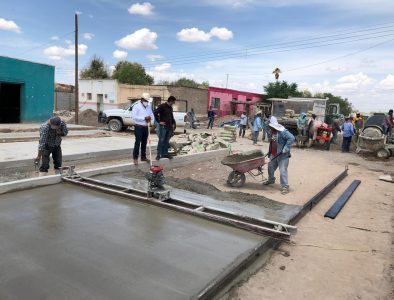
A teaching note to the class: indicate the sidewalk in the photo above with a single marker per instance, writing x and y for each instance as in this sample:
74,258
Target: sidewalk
21,154
27,136
31,127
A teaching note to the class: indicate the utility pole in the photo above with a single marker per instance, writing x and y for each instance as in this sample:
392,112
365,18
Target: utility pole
227,81
76,92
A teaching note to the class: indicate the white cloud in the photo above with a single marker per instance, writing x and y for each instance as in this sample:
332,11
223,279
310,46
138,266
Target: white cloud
9,25
387,83
54,38
68,42
162,67
140,39
353,82
88,36
193,35
144,9
118,54
154,57
57,53
221,33
336,69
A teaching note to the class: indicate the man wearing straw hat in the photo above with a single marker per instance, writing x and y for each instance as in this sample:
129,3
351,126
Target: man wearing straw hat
142,115
279,154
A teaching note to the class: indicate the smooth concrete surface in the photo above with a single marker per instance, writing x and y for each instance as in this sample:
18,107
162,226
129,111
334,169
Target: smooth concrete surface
65,242
26,127
33,136
280,213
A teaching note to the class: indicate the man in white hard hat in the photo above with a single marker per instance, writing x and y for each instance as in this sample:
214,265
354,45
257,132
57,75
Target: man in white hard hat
142,115
279,154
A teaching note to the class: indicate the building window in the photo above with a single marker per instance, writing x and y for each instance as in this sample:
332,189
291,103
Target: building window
89,95
215,102
105,96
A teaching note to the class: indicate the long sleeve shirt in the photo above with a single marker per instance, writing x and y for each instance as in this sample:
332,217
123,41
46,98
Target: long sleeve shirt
244,119
257,124
164,113
140,112
347,129
51,137
211,114
388,121
283,141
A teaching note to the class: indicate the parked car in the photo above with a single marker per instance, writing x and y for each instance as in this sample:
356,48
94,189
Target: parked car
120,119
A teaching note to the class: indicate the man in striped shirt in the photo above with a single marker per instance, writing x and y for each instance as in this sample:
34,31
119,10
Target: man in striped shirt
51,133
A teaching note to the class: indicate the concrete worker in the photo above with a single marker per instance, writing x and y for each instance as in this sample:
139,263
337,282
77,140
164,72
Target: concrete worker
335,129
312,130
266,128
388,123
347,132
358,123
191,116
51,133
242,124
211,117
142,115
279,154
302,124
165,117
257,126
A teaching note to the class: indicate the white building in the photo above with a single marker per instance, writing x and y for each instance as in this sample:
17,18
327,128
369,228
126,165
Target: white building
98,94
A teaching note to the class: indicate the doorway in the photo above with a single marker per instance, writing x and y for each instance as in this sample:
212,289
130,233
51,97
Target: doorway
100,102
10,102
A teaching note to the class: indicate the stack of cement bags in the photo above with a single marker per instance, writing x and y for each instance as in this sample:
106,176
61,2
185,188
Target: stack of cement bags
228,133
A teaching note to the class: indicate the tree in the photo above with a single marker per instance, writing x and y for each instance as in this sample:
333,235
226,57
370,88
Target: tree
131,73
306,94
186,82
345,106
277,71
96,69
281,90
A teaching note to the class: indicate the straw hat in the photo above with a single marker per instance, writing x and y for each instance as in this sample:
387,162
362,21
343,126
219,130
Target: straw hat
147,97
274,124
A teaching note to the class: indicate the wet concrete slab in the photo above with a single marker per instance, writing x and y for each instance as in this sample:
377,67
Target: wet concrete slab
66,242
262,208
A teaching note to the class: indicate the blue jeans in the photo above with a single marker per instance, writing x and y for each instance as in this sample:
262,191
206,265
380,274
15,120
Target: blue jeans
56,152
255,136
210,123
346,144
334,137
282,163
164,142
141,138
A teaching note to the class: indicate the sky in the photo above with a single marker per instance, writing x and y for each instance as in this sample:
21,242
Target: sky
344,47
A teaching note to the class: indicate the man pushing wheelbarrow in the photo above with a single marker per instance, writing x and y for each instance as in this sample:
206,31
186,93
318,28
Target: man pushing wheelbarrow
252,162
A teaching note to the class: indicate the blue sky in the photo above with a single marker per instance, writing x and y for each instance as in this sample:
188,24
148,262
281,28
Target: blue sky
339,46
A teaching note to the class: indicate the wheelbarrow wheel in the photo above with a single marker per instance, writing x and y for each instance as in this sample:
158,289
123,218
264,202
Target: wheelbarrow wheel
236,179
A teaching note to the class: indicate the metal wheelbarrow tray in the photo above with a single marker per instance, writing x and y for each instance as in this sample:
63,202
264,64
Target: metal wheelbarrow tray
243,163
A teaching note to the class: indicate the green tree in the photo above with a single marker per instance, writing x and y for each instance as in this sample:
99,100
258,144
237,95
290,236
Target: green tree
345,107
281,90
131,73
96,69
186,82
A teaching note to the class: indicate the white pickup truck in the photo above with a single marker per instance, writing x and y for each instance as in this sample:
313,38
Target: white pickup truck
120,119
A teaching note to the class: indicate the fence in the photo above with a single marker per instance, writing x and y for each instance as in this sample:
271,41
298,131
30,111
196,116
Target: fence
64,101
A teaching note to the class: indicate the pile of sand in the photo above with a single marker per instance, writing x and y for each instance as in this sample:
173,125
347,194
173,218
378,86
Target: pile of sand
87,117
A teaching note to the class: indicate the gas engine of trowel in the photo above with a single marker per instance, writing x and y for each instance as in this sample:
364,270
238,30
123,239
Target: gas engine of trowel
156,182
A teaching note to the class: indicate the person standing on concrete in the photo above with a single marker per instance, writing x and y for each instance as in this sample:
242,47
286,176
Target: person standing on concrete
165,117
348,132
142,115
388,123
279,154
51,133
257,126
211,117
242,124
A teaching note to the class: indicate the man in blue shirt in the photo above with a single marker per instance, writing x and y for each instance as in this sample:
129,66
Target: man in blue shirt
348,132
256,127
279,154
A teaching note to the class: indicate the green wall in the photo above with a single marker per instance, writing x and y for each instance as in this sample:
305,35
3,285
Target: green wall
38,87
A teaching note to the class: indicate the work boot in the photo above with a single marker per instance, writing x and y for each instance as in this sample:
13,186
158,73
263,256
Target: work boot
145,160
42,174
285,191
268,182
57,171
136,162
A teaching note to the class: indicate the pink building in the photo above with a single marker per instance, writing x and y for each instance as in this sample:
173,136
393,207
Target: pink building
231,102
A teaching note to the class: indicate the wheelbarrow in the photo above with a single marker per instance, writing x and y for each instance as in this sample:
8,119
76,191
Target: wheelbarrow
242,163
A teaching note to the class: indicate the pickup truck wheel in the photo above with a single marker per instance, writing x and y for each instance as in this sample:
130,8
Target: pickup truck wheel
115,125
